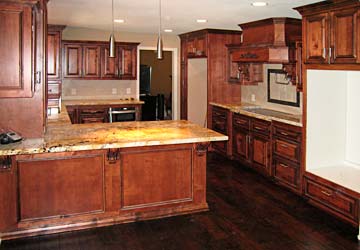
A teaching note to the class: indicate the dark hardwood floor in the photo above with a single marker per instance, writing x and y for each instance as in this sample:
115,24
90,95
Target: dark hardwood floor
247,212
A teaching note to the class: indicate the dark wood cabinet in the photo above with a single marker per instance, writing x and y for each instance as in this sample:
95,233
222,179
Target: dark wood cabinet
209,44
73,61
92,115
127,61
91,61
17,46
109,65
61,186
332,198
54,69
331,32
8,194
251,142
220,124
286,140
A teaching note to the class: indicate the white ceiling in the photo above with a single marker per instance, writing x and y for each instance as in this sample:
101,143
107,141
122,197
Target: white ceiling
141,16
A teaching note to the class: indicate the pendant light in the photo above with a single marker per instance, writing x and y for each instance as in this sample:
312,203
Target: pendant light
159,47
112,37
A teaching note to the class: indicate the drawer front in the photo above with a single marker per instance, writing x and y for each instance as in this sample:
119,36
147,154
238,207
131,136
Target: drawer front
286,173
92,119
328,196
241,121
288,132
260,126
286,149
92,111
219,125
219,112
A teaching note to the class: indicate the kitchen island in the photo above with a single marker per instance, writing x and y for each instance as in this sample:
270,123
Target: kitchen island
90,175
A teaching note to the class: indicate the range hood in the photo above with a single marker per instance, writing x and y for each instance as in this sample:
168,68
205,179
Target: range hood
268,40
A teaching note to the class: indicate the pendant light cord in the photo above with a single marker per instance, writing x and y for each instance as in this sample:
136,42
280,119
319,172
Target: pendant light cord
112,21
159,17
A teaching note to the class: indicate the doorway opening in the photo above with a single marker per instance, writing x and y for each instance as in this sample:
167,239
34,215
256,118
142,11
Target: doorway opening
157,85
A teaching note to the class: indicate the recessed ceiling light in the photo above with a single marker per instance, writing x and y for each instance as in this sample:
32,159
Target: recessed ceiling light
119,21
259,4
201,20
168,30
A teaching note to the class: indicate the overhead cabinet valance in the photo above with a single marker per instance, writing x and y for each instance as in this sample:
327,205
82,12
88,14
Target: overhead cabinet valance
90,60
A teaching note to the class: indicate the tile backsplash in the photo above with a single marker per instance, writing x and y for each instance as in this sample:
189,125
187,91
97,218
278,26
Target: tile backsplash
248,92
98,89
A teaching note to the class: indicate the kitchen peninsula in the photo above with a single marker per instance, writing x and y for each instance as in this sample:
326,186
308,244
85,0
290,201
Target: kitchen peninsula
89,175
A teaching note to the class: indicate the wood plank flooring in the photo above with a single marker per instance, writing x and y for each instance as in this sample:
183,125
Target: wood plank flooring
247,211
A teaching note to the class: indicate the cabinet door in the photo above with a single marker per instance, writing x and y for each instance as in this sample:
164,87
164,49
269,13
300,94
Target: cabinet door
16,50
241,144
8,194
260,148
91,61
61,186
316,38
127,62
72,61
344,40
109,66
53,55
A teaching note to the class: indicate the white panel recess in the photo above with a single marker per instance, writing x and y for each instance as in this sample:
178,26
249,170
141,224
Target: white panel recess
197,91
333,122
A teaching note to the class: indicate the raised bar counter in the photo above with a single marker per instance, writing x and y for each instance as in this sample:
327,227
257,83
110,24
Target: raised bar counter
91,175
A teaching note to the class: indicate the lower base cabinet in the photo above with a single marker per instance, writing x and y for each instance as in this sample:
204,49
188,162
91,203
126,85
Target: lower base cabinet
332,198
251,143
57,192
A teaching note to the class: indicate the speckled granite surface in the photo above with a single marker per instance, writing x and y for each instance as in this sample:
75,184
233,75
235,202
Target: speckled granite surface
101,102
75,137
262,113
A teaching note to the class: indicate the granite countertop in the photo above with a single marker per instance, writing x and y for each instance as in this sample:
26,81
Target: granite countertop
76,137
262,113
100,102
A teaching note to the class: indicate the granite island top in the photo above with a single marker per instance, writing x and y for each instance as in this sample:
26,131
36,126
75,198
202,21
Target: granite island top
76,137
262,113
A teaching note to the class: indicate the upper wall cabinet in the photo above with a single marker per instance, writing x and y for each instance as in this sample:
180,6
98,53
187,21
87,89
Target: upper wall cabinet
54,51
331,32
90,60
17,50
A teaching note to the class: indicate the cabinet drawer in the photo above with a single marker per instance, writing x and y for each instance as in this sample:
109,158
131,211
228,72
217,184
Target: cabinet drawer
287,132
219,125
241,121
219,112
220,146
331,198
261,126
92,119
92,111
286,149
286,172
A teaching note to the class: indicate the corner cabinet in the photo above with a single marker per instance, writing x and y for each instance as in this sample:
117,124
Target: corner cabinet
331,32
90,60
17,49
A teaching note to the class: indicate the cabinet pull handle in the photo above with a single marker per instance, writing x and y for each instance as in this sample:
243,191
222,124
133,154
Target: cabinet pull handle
326,193
283,145
330,52
283,165
259,128
283,133
241,122
324,52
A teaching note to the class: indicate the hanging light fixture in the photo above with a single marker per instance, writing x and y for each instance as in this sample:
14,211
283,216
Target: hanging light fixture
112,37
159,47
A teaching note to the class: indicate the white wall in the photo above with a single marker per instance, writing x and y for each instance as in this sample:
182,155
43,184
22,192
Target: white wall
353,118
326,118
197,91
